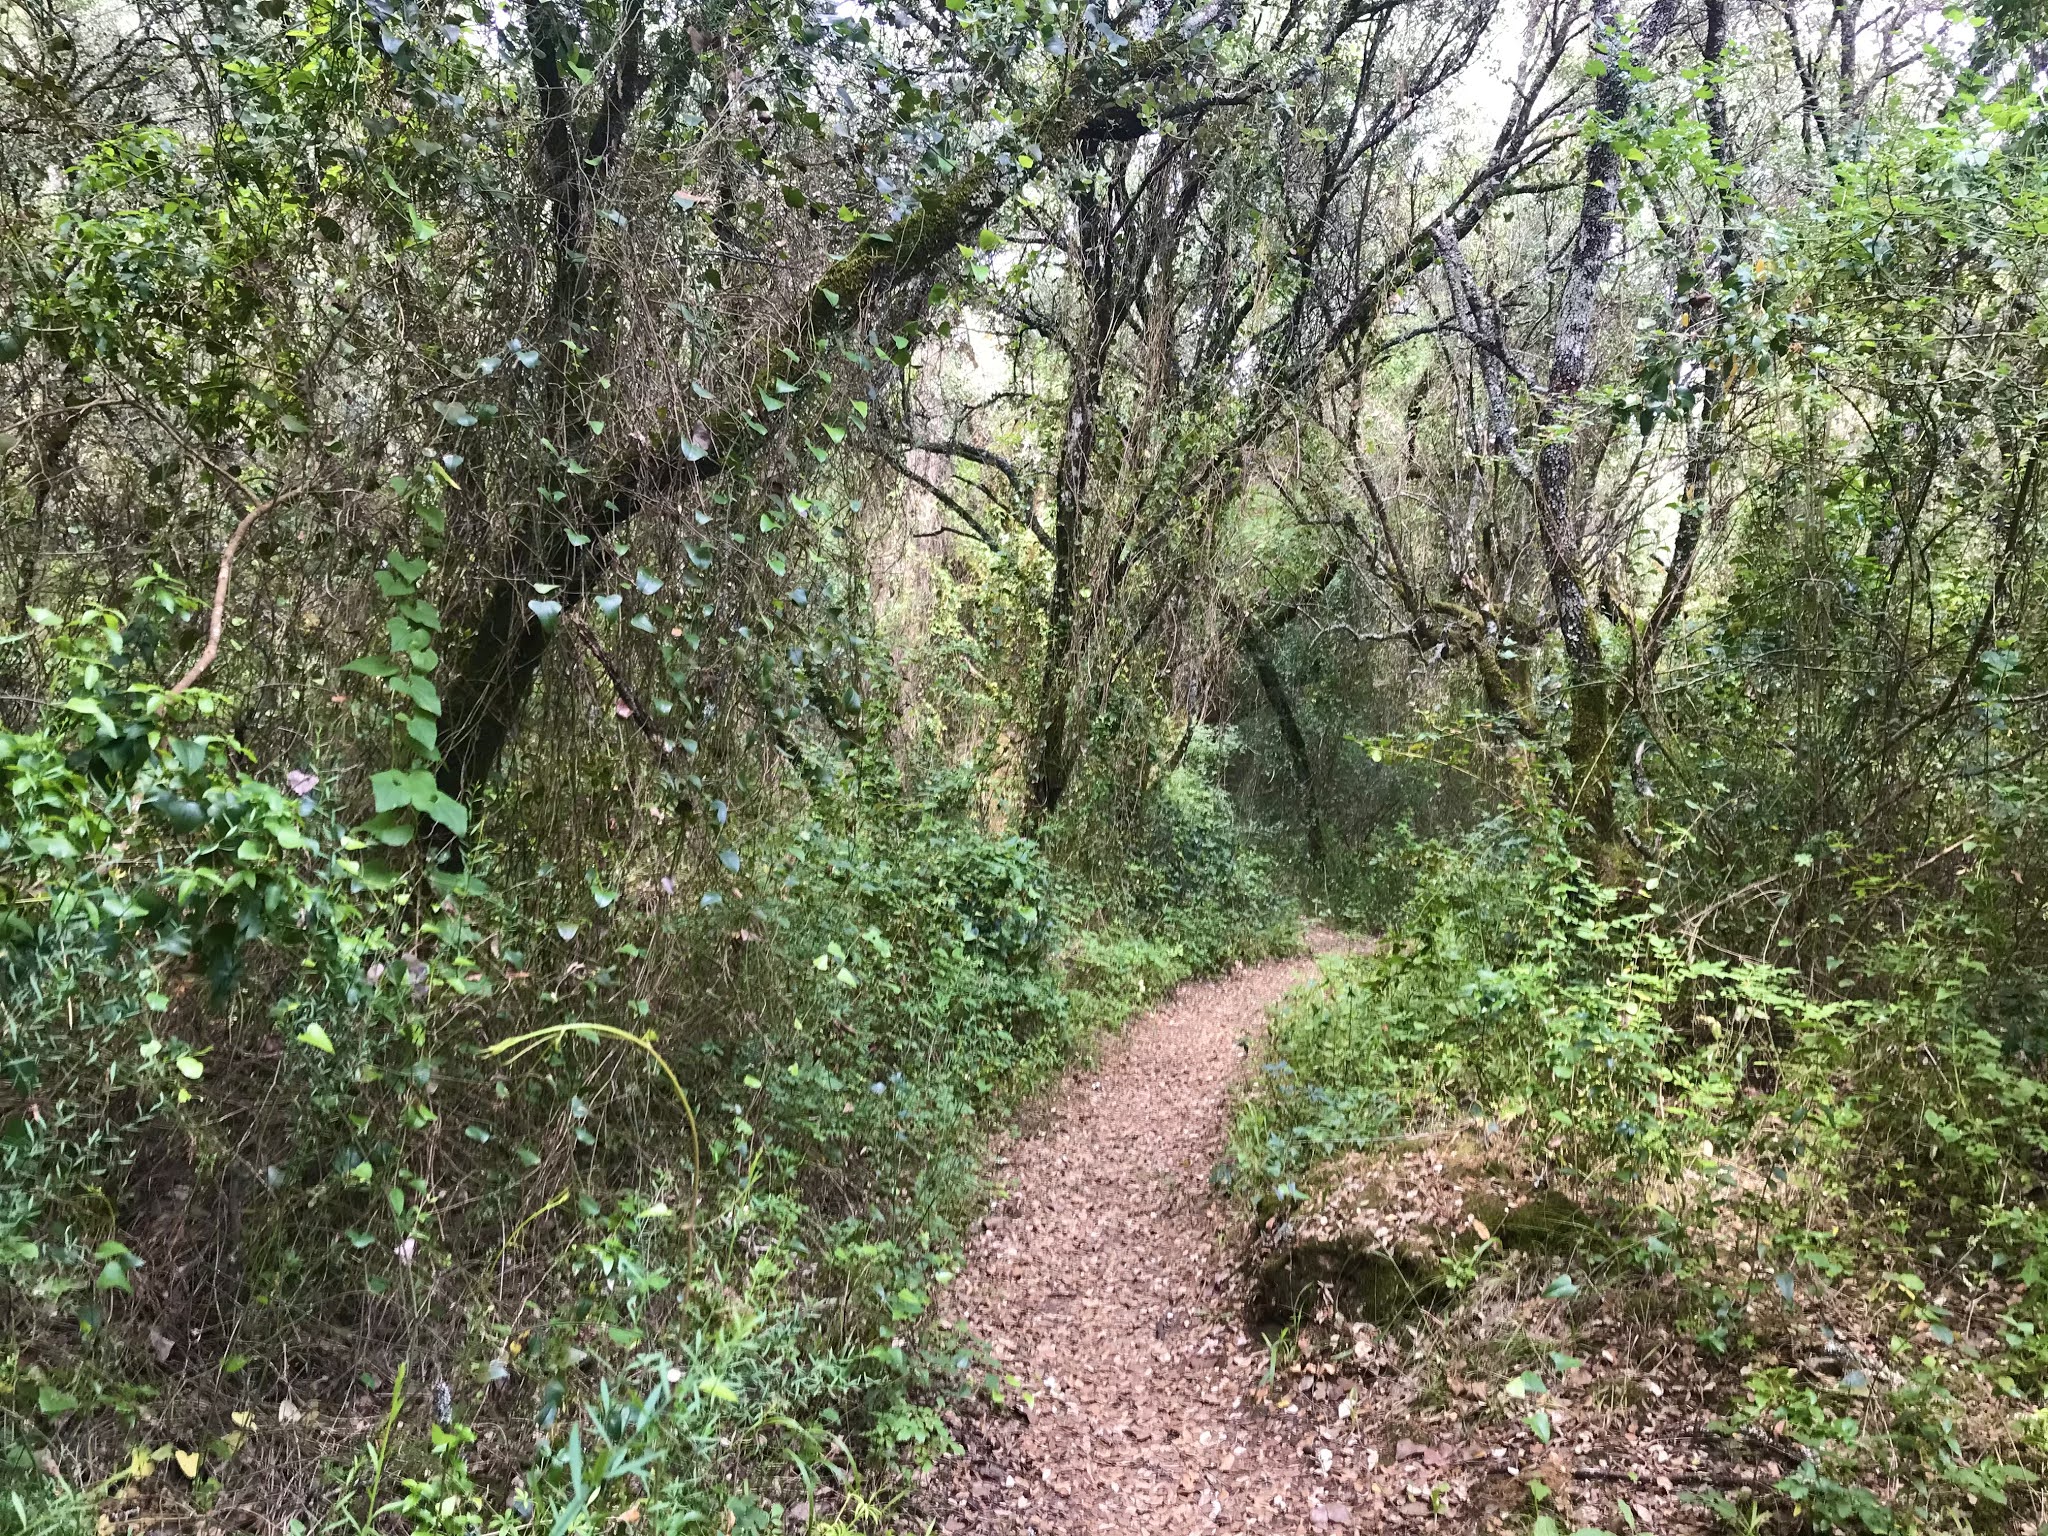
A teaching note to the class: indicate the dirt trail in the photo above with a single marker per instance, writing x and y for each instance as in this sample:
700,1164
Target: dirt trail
1103,1282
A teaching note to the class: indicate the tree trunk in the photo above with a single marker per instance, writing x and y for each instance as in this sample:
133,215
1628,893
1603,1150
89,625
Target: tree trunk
1053,762
1705,445
510,641
1591,695
1275,689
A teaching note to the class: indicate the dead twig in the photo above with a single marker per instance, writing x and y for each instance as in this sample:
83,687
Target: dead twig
218,620
632,710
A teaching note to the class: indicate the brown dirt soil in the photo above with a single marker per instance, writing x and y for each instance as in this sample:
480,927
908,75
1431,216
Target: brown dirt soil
1103,1283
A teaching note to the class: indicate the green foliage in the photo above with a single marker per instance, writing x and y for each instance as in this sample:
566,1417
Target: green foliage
554,974
1506,971
136,859
735,1290
1181,869
1882,1115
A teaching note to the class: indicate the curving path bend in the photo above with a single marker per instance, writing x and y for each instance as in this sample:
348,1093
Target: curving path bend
1103,1283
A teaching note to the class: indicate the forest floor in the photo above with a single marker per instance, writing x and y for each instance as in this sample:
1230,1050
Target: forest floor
1112,1284
1103,1280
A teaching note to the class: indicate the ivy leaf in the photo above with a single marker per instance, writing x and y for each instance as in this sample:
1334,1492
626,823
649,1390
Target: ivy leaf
449,812
176,811
422,693
391,828
399,788
425,733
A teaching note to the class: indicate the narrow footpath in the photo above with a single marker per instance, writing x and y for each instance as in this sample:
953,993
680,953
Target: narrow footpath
1104,1282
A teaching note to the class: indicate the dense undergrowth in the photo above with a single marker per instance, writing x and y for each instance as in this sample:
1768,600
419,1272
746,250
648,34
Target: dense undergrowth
719,559
1792,1149
522,1200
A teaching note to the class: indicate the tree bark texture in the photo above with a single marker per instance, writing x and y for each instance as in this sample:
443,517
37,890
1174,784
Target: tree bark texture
1559,519
1052,763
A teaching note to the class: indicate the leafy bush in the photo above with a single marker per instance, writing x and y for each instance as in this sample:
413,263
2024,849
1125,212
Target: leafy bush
718,1150
1177,867
1881,1118
141,873
1509,987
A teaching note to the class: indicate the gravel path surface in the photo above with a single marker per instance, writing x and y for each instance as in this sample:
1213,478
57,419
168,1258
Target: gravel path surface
1103,1283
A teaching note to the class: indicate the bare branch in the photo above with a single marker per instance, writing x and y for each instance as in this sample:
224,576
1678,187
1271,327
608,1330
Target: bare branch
218,621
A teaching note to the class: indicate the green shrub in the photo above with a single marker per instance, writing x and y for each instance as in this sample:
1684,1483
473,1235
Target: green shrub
1879,1115
1178,869
283,1091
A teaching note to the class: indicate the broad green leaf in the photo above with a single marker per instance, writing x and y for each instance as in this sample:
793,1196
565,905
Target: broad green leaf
392,828
418,689
449,812
397,787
